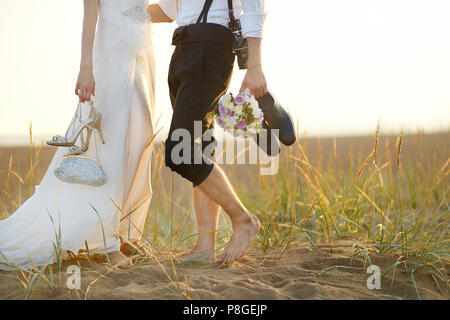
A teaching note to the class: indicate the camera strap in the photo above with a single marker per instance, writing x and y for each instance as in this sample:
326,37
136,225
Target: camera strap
231,10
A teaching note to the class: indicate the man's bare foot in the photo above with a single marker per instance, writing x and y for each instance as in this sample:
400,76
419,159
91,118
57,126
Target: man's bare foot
243,234
197,255
134,248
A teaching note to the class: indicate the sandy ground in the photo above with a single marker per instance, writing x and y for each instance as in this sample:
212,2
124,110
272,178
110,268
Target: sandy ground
301,273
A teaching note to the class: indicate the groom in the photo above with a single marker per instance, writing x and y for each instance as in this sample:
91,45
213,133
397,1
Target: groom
199,74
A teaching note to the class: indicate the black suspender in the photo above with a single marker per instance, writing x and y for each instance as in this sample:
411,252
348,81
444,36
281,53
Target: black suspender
203,18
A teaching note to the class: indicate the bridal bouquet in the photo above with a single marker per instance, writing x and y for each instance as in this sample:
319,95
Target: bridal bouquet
239,115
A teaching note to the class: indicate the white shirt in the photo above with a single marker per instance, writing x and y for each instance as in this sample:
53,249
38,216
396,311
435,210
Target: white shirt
250,12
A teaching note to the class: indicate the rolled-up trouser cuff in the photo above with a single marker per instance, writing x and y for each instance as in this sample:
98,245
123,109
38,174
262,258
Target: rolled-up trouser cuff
196,173
203,175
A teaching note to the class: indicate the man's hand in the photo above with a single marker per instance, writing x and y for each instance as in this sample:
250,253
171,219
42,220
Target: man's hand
254,79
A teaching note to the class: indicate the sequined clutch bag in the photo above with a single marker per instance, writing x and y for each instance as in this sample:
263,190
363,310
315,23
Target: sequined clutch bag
75,167
82,170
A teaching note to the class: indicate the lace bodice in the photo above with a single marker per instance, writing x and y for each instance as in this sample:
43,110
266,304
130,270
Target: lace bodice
138,13
124,20
135,10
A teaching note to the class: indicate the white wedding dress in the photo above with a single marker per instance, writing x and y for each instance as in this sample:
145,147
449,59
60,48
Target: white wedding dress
60,214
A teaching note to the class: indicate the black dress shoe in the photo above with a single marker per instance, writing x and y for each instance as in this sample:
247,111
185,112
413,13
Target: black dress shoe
278,118
268,141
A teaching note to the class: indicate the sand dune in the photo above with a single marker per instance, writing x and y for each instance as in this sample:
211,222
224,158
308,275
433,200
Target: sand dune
301,273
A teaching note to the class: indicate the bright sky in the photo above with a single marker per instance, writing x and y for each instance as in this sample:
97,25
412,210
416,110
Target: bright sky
337,65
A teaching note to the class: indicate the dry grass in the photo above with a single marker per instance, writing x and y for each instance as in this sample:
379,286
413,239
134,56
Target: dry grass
378,196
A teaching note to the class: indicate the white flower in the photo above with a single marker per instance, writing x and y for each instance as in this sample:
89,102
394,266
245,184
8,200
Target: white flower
252,125
232,120
226,101
228,125
238,108
247,92
257,112
253,102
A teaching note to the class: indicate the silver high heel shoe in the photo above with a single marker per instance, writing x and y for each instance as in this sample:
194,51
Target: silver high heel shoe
76,167
96,126
92,123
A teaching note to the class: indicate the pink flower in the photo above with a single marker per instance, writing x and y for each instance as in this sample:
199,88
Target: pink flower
232,114
241,124
220,122
239,99
223,110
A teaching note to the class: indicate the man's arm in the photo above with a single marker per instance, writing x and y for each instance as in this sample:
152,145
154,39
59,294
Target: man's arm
252,28
163,11
254,79
157,14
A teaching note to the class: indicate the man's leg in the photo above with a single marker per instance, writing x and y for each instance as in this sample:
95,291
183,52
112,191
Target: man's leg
245,225
207,214
199,74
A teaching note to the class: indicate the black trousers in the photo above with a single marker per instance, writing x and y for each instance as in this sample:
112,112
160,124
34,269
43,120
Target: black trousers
199,74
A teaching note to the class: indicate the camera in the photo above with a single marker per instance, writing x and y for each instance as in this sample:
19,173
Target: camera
239,44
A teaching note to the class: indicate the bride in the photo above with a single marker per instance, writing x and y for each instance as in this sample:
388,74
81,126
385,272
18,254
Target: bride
117,66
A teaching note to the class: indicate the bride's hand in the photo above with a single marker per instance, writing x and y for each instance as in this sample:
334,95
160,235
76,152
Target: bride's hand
85,87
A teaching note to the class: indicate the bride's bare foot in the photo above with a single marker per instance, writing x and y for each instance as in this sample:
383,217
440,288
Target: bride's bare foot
243,233
134,248
197,255
118,259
